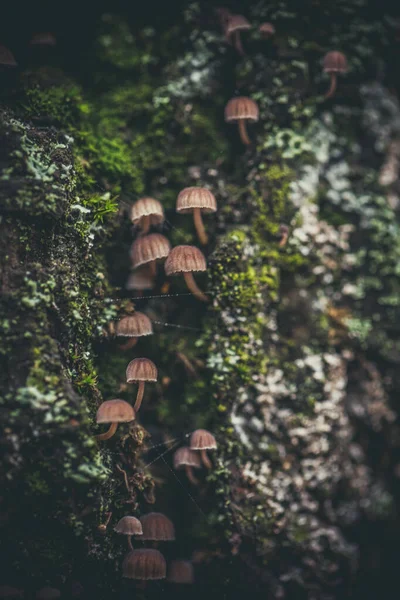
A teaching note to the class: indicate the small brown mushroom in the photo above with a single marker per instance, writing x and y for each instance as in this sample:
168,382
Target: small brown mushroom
203,440
157,528
146,212
7,57
148,250
144,564
133,326
267,30
48,593
43,38
236,24
187,260
187,459
181,571
334,63
140,280
140,370
129,526
114,412
197,200
239,110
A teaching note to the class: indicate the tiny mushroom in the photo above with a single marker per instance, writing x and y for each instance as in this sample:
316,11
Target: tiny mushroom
140,370
235,24
140,280
187,459
133,326
43,38
146,212
197,200
144,564
7,57
129,526
203,440
48,593
187,260
239,110
113,412
147,250
157,528
267,30
334,63
181,571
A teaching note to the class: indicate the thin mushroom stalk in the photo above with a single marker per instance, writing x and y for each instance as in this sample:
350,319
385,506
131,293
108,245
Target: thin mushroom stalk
243,132
108,434
129,344
145,225
238,43
199,225
139,397
129,540
206,461
190,476
332,88
194,288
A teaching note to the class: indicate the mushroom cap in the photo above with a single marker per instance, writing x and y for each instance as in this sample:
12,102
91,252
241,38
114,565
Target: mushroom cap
196,197
241,108
129,526
7,591
141,369
115,411
236,23
136,325
267,29
48,593
335,62
43,38
147,207
185,259
149,248
141,279
181,571
7,57
144,564
186,457
157,527
201,439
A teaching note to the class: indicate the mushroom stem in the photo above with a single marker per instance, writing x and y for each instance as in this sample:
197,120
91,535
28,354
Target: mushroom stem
198,223
129,540
332,89
206,461
145,225
190,476
129,344
108,434
193,287
238,43
139,396
153,268
243,132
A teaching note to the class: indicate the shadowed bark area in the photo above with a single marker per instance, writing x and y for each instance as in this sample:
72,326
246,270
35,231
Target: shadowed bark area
293,362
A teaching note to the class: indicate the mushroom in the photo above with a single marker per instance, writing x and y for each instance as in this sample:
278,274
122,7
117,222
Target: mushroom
114,412
148,249
267,30
48,593
240,110
43,39
181,571
144,564
157,528
187,459
7,57
140,280
197,200
234,25
203,440
140,370
334,63
129,526
187,260
133,326
7,591
146,212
